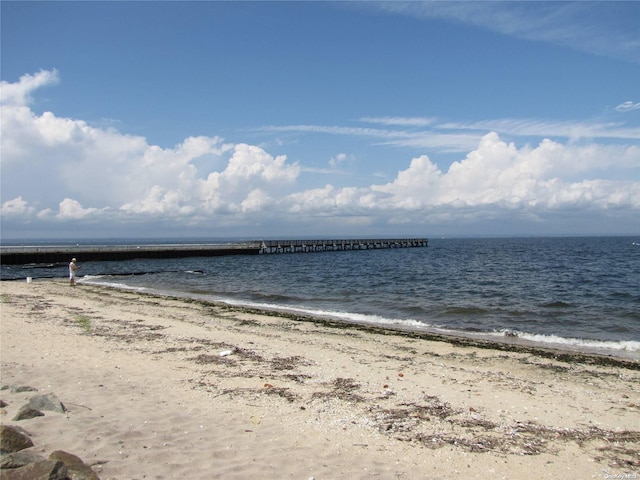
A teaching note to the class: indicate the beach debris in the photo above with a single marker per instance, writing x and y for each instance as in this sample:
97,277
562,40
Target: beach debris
225,353
27,412
47,402
343,389
283,392
13,439
256,420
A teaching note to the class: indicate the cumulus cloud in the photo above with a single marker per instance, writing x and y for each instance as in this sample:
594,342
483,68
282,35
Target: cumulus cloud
498,173
61,170
46,158
70,209
19,93
17,207
495,177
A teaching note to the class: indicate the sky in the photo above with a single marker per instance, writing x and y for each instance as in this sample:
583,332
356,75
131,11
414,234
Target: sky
319,119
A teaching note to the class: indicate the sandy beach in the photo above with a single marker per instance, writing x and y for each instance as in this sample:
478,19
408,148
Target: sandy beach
162,388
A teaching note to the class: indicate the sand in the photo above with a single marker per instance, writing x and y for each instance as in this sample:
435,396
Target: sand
162,388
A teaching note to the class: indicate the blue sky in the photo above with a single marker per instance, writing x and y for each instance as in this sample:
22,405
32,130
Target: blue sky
305,119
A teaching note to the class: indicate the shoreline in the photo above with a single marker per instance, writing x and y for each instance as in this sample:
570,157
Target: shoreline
459,339
621,358
168,387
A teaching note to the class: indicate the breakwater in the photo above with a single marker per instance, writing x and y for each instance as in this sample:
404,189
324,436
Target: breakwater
21,255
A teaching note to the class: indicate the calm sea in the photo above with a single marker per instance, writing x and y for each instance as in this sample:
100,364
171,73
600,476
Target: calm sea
575,292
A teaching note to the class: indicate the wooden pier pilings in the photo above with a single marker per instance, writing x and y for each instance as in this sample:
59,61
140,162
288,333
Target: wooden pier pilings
307,246
21,255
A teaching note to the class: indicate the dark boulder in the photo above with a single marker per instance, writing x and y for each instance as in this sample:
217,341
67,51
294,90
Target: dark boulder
77,469
27,412
42,470
47,402
19,459
13,440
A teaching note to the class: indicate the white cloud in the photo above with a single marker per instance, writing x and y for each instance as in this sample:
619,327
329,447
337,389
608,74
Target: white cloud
256,201
401,121
441,141
494,179
602,28
19,94
72,210
541,128
59,170
339,159
497,173
460,137
628,106
16,207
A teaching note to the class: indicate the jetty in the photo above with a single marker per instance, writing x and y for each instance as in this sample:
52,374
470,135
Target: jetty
40,254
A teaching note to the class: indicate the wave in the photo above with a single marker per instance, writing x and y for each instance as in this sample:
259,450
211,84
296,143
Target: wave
101,281
578,343
596,346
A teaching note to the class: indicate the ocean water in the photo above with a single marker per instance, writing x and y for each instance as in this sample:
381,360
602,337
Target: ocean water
576,292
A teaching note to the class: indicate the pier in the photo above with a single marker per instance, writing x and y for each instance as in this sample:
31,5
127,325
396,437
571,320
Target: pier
308,246
22,255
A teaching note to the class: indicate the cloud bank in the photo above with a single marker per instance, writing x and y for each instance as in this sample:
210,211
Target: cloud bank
62,174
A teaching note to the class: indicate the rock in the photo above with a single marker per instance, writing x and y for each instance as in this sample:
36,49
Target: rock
42,470
19,459
3,404
77,469
13,440
27,412
22,388
47,402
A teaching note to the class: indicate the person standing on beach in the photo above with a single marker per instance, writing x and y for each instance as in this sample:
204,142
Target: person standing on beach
72,272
